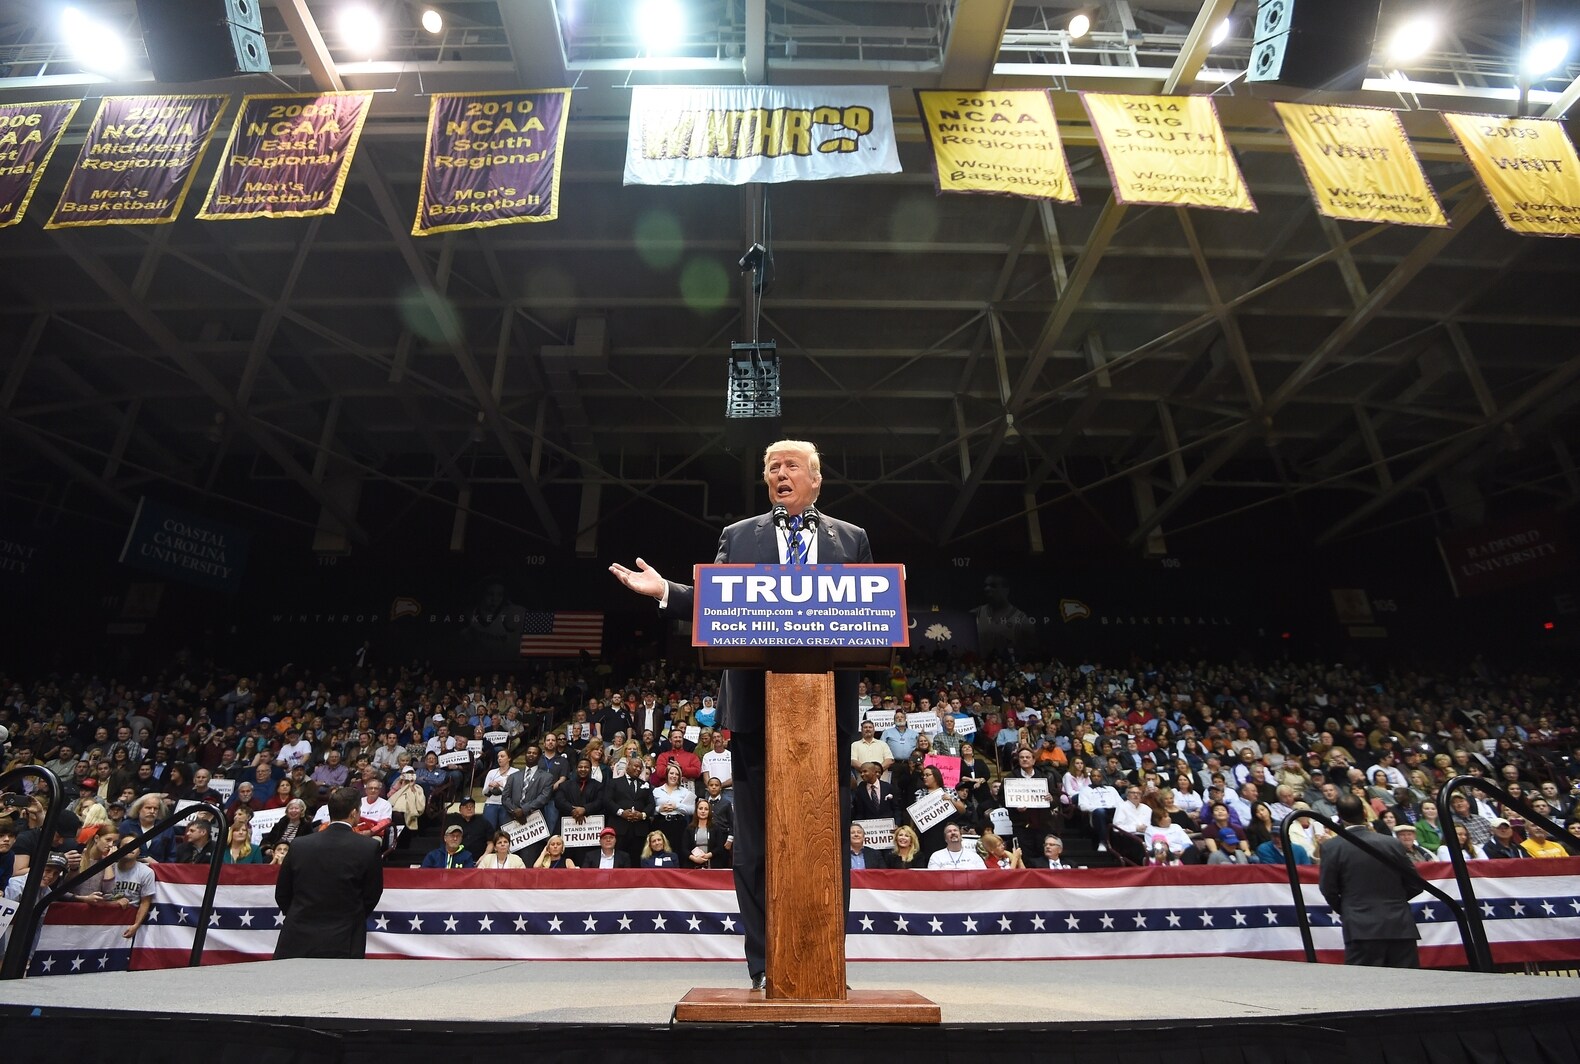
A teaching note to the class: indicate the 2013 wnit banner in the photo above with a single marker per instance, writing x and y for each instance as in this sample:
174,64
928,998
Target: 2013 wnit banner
288,156
703,135
1360,165
29,133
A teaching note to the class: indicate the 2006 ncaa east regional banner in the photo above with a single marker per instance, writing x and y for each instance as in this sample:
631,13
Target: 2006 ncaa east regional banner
702,135
1004,142
1360,165
1167,150
29,133
492,159
1528,167
288,155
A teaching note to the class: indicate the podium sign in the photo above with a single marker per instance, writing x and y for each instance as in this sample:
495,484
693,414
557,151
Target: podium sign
837,606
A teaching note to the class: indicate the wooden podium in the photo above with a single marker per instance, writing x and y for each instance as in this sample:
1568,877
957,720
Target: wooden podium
805,878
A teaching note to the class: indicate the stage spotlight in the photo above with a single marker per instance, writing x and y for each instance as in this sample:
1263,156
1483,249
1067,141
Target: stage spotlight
95,45
1546,55
1221,33
361,30
660,25
432,21
1414,37
1080,25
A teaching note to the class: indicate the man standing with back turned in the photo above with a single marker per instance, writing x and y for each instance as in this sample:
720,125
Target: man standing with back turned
793,532
330,882
1371,897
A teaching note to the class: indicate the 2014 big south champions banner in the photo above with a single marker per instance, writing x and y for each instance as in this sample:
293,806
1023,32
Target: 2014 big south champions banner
1360,165
29,133
1167,150
705,135
1527,166
288,155
492,159
1005,142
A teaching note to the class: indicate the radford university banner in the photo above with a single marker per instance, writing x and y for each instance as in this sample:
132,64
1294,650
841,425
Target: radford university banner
1167,150
1004,142
1360,165
737,135
1527,166
288,156
29,133
1500,555
137,161
492,159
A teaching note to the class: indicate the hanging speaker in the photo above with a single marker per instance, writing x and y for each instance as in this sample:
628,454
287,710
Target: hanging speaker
1313,44
202,40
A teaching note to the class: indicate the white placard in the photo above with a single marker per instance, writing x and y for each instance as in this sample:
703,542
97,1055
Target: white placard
186,803
687,784
223,787
497,738
8,910
525,833
455,757
693,733
965,725
583,834
1022,793
880,833
999,818
924,722
262,823
882,719
931,809
474,746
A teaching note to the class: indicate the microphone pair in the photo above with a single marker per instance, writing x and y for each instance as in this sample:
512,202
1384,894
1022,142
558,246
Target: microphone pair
781,515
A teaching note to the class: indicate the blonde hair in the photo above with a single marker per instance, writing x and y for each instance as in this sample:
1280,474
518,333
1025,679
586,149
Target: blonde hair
806,450
544,859
916,844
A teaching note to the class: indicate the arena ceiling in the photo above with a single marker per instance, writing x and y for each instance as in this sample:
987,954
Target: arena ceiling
976,369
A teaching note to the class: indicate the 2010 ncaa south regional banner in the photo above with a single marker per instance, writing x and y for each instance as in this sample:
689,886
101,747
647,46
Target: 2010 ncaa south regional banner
736,135
1004,142
1168,151
1360,165
138,161
492,159
288,155
1527,166
29,134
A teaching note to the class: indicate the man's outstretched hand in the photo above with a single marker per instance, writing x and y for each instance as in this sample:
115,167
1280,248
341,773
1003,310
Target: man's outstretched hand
644,579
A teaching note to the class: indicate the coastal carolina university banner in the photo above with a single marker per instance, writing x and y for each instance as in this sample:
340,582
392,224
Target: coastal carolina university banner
138,160
29,134
1360,165
186,546
1167,150
1004,142
705,135
1527,166
1531,911
288,156
492,159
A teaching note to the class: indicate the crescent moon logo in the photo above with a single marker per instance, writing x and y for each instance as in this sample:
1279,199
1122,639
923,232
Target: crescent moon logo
912,624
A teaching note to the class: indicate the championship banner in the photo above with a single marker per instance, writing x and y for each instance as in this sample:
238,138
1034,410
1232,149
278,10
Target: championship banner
1005,142
1527,166
138,161
288,155
1168,151
736,135
29,135
1360,165
492,159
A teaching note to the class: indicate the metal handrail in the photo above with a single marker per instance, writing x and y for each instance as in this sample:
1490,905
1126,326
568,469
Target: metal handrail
1412,879
22,923
1482,962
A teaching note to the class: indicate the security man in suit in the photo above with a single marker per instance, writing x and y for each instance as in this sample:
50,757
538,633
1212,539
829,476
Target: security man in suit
792,470
330,883
1371,896
529,791
872,799
629,801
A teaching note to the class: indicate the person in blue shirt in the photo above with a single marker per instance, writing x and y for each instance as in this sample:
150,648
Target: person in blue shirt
452,854
1272,852
901,739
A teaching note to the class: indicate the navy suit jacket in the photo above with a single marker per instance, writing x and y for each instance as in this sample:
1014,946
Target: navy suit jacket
755,542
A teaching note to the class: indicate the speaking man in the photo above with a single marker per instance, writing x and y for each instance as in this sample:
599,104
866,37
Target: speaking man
793,532
330,882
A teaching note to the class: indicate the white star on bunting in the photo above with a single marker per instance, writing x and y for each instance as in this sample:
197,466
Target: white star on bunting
554,924
695,923
1174,919
1036,922
591,923
1547,907
416,923
1428,912
213,919
279,919
486,924
382,923
451,923
104,961
1519,908
246,918
1486,909
937,925
900,924
1239,918
1141,920
46,964
625,922
1004,923
971,924
658,922
521,923
729,923
1108,922
1272,917
1073,922
76,964
866,923
1206,918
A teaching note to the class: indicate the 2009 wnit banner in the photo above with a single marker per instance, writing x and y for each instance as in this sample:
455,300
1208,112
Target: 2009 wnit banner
702,135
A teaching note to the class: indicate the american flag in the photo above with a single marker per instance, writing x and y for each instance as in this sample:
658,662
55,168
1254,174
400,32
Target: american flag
560,634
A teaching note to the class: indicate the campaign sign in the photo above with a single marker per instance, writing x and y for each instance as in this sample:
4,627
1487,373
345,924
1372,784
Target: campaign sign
799,606
525,833
880,833
1021,793
932,809
455,758
222,787
263,822
584,834
497,738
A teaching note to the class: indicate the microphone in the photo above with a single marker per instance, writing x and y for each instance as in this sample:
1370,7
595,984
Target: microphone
810,517
781,516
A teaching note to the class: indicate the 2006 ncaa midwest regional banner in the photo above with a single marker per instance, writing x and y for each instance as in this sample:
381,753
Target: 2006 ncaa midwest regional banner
1360,165
138,160
288,155
702,135
1167,150
1003,142
29,133
492,159
1528,167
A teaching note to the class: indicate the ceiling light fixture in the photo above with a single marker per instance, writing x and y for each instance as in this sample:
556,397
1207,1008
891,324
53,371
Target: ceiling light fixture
1221,33
1546,55
361,31
1080,25
1413,38
95,45
432,21
660,26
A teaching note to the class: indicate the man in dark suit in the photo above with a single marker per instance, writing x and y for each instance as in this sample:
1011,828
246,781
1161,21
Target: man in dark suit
606,855
860,855
629,800
526,792
1372,897
872,799
329,884
580,797
792,471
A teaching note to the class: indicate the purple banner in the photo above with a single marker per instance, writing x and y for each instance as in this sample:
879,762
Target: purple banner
492,159
29,133
288,155
139,160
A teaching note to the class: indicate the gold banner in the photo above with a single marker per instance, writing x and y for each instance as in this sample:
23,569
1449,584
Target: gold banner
1528,167
1360,165
1167,150
1004,142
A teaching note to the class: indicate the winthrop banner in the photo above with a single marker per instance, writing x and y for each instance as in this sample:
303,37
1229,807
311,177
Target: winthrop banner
1360,165
29,134
186,546
1001,142
1527,166
706,135
1167,150
492,159
1506,553
288,155
138,160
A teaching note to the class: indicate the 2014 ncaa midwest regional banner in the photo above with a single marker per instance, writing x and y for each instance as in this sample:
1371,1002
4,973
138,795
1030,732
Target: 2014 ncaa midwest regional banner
1003,142
29,133
492,159
138,160
703,135
288,155
1167,150
1360,165
1528,167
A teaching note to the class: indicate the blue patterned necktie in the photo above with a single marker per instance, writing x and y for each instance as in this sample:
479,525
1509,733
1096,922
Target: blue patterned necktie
796,548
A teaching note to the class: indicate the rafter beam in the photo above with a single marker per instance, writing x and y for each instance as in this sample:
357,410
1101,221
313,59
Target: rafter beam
973,45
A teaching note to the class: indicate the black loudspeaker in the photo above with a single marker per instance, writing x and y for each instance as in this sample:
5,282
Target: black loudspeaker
1313,44
201,40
